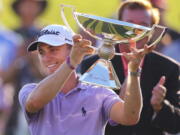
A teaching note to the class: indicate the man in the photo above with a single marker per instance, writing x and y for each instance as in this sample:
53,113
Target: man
28,18
60,104
159,78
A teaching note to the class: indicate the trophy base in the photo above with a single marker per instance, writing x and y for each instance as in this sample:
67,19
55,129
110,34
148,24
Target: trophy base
101,73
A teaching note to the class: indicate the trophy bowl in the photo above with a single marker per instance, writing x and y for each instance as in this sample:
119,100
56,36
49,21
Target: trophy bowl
110,32
110,29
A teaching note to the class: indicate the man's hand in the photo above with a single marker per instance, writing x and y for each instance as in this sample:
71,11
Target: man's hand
81,48
136,55
158,95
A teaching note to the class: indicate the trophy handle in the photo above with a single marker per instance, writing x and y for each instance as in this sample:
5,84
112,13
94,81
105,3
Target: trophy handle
151,33
162,32
63,16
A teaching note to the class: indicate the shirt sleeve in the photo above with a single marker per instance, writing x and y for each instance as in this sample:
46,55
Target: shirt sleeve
110,99
23,94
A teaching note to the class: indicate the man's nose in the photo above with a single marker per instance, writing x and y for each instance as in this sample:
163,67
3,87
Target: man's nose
47,57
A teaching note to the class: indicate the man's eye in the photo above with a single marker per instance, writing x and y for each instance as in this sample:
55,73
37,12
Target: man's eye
40,52
54,49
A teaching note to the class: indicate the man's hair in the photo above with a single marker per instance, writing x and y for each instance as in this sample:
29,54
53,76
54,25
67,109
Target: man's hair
69,46
142,5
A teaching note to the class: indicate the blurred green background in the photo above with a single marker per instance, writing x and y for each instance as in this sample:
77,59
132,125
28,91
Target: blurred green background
104,8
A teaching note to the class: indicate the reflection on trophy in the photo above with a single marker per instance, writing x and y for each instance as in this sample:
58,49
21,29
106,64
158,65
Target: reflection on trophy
110,32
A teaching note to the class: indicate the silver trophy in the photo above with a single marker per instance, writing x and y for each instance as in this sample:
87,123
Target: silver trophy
110,32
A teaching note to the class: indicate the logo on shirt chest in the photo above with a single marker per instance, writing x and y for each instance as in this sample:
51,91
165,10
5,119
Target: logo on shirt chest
83,111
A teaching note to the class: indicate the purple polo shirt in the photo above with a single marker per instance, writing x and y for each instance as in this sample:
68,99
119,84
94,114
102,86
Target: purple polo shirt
82,111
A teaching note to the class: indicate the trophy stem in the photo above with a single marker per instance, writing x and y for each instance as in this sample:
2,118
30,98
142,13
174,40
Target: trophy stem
107,50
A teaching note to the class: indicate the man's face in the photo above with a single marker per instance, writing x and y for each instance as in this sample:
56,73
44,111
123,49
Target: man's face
25,9
51,57
140,17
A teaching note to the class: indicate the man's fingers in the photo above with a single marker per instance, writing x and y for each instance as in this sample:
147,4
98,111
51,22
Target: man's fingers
133,50
152,47
84,46
162,80
144,51
126,55
77,38
159,91
89,50
132,43
147,49
132,46
79,41
84,43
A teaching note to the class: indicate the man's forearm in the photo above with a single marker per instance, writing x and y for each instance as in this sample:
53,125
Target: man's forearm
133,98
48,88
123,90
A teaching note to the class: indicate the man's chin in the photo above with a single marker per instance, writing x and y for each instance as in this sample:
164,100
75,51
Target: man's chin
49,72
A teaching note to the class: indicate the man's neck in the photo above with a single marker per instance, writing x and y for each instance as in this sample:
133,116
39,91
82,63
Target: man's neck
124,48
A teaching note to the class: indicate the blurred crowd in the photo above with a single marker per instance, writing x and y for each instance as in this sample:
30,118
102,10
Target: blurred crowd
18,67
